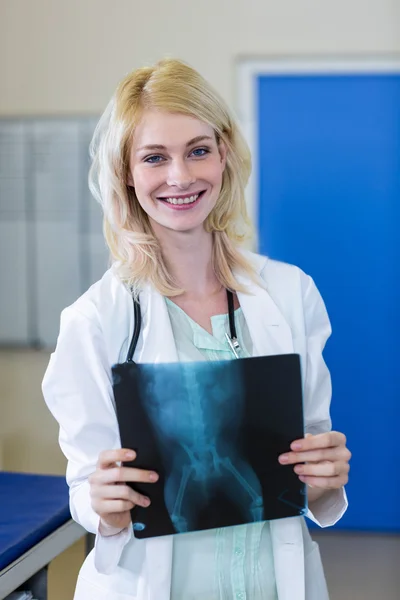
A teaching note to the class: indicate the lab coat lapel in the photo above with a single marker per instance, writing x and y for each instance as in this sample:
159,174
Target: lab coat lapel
159,552
269,331
158,344
288,551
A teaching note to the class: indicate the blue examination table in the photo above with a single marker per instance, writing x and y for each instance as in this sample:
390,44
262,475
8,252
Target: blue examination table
35,526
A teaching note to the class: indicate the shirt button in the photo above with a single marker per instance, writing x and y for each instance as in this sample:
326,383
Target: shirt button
240,595
238,552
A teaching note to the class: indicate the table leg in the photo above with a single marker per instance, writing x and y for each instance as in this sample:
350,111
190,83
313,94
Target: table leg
37,584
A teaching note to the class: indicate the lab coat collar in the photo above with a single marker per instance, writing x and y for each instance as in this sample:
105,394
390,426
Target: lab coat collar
269,331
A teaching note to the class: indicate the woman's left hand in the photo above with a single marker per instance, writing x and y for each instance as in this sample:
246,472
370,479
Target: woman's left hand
326,459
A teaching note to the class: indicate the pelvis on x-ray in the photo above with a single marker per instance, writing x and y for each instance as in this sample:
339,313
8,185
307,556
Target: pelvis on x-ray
213,431
197,415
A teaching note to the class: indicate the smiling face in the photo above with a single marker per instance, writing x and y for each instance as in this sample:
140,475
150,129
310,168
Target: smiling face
176,167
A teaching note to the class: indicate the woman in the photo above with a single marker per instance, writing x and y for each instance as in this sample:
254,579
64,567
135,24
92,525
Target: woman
170,168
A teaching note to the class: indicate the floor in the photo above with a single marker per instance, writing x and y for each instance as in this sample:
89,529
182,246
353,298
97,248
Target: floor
361,566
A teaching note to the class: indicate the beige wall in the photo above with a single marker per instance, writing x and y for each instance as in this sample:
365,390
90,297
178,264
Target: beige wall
29,432
62,57
66,57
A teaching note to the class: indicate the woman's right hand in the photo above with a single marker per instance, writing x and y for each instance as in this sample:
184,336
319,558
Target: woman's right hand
111,498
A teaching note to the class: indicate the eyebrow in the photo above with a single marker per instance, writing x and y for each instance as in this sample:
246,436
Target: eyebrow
195,140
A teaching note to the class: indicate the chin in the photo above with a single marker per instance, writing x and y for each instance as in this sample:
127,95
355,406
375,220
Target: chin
180,222
188,228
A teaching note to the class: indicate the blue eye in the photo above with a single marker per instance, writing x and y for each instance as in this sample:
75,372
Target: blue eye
200,152
153,159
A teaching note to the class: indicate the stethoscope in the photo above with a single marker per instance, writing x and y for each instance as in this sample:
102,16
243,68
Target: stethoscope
231,339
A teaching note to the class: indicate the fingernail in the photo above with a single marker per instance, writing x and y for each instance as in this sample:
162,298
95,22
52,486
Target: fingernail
284,458
146,501
296,446
130,454
153,476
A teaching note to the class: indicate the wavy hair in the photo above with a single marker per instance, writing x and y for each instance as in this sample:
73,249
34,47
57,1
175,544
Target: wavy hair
170,86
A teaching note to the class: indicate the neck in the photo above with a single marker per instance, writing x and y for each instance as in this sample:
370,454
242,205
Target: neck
188,256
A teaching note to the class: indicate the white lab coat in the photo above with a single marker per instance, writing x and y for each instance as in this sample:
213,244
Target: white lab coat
285,315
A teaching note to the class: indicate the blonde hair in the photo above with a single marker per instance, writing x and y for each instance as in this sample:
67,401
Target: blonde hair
171,86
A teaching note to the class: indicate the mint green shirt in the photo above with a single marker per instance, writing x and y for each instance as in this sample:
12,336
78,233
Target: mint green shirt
234,563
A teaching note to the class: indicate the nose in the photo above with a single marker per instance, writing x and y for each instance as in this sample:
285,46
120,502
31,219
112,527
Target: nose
180,175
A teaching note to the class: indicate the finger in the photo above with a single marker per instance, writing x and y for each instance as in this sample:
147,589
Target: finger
124,474
323,469
108,458
120,492
331,454
329,439
326,483
107,507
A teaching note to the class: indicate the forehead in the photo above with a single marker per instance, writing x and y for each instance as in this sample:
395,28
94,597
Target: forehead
168,129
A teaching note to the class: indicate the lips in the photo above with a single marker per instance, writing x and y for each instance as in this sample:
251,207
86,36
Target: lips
185,202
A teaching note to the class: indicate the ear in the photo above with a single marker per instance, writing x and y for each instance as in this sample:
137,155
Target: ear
222,149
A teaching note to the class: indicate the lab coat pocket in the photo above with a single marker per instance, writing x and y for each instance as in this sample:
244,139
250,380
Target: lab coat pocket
315,583
87,590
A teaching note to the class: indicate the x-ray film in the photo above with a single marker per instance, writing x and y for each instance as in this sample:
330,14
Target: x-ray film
213,431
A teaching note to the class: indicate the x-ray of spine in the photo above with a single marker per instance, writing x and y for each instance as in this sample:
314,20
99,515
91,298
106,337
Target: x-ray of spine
197,415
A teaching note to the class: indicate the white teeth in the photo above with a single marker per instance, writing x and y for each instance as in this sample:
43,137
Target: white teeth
182,200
